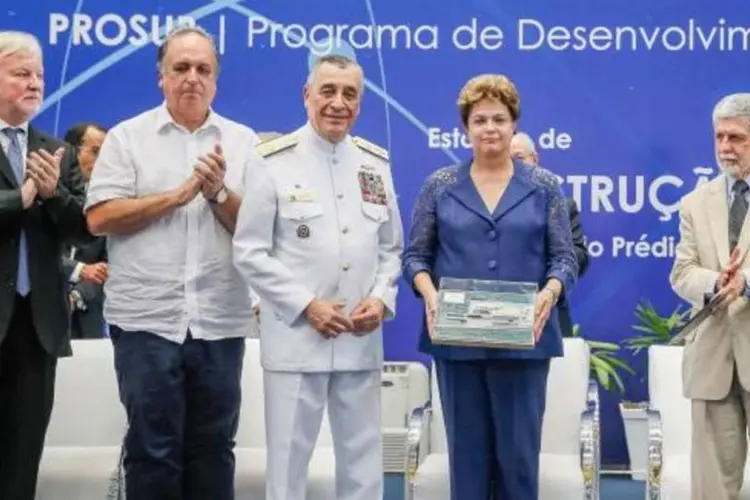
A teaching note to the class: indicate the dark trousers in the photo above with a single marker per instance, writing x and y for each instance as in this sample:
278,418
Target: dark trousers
183,404
85,325
493,412
27,387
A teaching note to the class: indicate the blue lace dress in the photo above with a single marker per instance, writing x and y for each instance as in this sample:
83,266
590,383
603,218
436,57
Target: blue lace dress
526,238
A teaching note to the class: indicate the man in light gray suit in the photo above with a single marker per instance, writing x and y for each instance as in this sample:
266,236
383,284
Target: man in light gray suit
711,258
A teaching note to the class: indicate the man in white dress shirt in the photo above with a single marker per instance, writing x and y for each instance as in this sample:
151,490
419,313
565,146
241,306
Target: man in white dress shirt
166,190
319,237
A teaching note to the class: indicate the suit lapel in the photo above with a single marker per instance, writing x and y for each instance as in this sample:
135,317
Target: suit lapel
465,192
6,170
36,141
718,218
519,187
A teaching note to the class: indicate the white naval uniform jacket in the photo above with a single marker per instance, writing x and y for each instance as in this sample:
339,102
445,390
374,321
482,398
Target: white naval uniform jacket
318,220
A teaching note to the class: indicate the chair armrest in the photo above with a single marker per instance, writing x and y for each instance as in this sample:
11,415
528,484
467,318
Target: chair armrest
592,398
593,405
417,442
655,455
590,461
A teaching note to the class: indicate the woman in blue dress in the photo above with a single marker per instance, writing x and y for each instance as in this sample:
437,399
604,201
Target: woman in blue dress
492,218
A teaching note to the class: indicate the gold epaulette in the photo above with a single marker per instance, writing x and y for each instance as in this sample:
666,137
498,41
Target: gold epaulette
371,148
268,148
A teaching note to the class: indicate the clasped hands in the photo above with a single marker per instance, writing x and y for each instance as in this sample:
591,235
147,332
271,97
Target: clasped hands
328,318
207,177
731,282
41,176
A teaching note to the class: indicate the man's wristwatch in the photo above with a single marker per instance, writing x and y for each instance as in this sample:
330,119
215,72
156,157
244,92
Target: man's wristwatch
221,197
78,302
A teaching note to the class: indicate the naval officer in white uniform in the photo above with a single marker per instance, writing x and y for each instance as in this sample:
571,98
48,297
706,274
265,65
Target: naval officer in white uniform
319,238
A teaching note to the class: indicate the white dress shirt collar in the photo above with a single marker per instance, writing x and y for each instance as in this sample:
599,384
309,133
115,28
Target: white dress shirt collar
164,118
731,180
24,126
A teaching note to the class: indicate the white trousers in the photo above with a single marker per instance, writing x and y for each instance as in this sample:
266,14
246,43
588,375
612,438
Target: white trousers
294,411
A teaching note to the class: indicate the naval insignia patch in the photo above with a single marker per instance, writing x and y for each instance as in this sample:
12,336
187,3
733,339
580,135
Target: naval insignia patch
371,187
303,231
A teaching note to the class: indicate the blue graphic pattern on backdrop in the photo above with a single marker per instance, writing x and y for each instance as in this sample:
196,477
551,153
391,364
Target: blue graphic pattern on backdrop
632,115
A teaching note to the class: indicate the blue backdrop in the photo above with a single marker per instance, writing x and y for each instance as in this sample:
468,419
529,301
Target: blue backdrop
620,95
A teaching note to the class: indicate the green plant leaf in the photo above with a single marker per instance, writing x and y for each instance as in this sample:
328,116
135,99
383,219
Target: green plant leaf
606,373
654,329
618,363
650,329
605,363
602,376
603,346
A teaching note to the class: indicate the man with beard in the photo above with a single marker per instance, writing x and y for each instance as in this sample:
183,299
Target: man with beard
41,201
319,238
166,191
711,265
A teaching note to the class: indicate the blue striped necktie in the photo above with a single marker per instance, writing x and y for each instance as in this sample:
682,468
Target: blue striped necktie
15,157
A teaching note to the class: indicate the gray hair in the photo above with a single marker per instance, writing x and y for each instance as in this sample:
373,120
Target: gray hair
526,140
180,30
19,41
733,106
342,62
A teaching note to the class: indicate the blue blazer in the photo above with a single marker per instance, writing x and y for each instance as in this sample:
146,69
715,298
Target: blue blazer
527,238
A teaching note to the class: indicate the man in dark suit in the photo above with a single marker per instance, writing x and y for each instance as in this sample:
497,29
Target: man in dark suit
86,265
522,147
582,256
41,199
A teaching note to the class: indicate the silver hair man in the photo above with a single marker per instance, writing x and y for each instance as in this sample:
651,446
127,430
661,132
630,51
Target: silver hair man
522,147
711,269
337,60
731,121
18,41
41,206
16,109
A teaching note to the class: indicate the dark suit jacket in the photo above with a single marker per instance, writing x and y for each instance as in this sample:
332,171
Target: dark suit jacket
582,256
88,323
49,224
